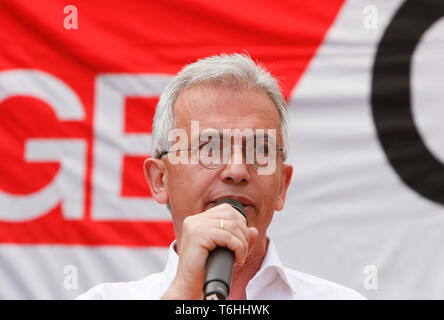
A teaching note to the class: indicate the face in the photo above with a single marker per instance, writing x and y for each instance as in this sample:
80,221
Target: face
191,188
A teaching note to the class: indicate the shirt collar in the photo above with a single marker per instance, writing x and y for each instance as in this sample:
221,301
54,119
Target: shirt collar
271,268
171,267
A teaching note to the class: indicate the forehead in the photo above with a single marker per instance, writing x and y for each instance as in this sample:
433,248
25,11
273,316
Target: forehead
225,108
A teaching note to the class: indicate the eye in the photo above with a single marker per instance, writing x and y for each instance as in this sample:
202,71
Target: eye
262,147
209,147
210,155
202,143
206,144
210,141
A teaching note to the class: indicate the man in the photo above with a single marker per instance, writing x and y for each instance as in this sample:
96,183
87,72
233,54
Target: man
221,131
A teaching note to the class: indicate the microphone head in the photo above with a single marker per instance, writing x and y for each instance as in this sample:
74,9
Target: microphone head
235,204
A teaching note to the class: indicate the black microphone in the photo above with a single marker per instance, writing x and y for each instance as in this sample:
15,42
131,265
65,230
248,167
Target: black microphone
220,262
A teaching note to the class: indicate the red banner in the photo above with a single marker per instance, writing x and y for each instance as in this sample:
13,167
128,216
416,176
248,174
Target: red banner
79,84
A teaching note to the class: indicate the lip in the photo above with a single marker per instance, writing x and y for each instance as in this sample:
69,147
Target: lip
245,201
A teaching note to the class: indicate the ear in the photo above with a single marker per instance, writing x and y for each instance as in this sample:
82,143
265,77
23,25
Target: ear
155,175
287,172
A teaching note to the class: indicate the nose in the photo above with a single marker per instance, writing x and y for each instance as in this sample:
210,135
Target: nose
237,170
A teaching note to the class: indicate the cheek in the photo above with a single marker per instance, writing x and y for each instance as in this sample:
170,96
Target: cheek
268,190
186,185
180,182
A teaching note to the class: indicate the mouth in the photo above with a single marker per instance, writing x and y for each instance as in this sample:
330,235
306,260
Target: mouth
247,203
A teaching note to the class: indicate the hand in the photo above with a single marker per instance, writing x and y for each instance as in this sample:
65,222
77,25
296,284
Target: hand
201,233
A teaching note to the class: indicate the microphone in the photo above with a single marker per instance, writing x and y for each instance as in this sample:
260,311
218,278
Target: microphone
220,262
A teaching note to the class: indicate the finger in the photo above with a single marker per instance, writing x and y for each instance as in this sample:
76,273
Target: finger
233,225
241,231
227,212
223,238
234,213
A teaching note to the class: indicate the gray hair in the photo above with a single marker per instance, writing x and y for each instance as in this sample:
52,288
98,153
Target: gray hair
237,71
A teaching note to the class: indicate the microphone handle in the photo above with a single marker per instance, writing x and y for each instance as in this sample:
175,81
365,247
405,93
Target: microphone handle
219,271
220,262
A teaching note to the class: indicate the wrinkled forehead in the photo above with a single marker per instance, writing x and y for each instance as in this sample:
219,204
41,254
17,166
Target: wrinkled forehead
236,136
242,112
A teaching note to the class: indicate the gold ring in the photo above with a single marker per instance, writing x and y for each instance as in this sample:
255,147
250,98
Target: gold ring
221,224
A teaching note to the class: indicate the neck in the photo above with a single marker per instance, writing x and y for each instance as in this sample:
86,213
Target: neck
242,274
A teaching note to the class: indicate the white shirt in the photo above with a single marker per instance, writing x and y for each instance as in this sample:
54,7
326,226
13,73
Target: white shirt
272,281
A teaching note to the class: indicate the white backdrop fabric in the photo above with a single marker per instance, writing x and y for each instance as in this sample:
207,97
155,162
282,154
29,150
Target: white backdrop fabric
349,217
